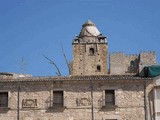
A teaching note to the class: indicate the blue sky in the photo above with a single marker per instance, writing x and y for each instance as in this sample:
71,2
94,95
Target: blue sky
30,28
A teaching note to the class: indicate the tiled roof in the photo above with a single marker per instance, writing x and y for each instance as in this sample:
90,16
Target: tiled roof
70,78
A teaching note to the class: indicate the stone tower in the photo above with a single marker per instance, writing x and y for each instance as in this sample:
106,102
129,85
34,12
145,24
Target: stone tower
90,51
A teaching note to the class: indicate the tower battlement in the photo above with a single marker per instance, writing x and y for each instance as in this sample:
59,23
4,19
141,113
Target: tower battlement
122,64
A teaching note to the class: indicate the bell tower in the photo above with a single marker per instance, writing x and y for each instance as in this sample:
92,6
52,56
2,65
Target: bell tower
90,52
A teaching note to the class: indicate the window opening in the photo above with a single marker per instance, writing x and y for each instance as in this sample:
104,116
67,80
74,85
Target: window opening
58,98
132,64
4,99
109,97
98,68
91,51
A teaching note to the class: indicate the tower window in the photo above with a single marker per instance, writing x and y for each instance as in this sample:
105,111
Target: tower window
132,64
91,51
98,68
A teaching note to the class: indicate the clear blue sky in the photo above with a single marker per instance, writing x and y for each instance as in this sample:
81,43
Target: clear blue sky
30,28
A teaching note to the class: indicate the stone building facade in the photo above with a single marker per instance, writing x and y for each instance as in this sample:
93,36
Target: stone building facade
156,94
91,92
69,98
121,64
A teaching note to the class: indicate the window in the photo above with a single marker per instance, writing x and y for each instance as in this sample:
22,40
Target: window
57,98
109,97
132,64
98,68
3,99
91,51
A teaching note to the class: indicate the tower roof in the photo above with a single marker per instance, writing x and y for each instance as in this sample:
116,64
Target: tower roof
89,29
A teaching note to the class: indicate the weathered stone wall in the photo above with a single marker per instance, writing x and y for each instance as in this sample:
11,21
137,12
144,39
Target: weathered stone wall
121,64
86,64
117,63
129,100
131,64
146,59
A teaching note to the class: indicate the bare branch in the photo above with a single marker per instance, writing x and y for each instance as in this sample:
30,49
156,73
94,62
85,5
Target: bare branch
53,63
57,74
68,65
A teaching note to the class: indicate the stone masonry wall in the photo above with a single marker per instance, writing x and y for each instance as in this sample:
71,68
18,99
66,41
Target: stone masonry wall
129,100
86,64
121,64
146,59
117,63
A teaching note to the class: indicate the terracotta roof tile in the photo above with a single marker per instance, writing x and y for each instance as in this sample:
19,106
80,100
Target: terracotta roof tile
68,78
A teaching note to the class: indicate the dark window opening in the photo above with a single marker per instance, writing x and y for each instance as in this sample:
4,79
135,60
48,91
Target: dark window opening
91,51
98,68
57,98
132,64
4,99
132,67
109,97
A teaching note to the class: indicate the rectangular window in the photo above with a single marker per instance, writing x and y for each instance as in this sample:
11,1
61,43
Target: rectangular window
57,98
3,99
109,97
